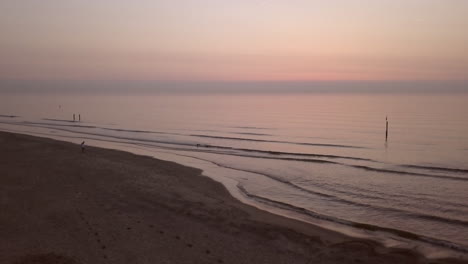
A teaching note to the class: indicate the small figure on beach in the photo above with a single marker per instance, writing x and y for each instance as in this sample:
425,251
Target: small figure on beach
82,147
79,117
73,117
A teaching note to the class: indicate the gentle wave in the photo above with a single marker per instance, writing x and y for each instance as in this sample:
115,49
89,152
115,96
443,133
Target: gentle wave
9,116
251,127
278,141
258,151
400,233
344,201
208,136
408,173
46,125
380,208
98,127
59,120
436,168
138,131
279,153
85,126
60,125
251,134
41,125
387,197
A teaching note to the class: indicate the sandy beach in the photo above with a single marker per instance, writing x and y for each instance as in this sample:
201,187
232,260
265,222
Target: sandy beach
59,205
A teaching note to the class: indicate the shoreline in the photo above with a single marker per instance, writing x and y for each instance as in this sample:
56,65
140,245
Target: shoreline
113,206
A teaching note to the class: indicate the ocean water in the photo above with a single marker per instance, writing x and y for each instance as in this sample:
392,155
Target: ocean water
315,157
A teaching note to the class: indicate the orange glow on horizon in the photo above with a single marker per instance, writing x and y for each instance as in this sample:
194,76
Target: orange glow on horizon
235,40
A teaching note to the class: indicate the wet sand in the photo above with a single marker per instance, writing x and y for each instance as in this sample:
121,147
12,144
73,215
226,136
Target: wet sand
59,205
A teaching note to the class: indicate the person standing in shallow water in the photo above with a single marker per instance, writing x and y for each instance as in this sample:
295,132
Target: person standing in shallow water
82,147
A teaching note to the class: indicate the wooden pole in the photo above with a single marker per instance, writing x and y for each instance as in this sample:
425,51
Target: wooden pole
386,128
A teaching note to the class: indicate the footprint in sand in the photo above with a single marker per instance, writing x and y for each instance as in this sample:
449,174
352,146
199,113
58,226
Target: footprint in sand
93,232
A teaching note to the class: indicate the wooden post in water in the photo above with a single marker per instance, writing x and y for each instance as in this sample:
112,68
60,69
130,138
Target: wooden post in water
386,128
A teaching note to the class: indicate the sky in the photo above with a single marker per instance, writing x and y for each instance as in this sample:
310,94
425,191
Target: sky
241,40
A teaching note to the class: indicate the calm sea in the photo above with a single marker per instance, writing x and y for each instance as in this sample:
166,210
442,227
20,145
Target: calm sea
318,158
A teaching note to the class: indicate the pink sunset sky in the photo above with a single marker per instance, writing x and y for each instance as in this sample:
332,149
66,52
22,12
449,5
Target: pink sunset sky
205,40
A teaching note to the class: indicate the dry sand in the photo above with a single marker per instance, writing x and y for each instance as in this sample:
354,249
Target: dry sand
59,205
